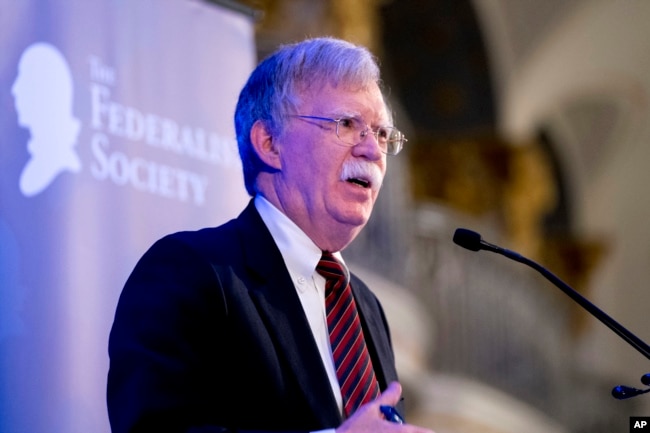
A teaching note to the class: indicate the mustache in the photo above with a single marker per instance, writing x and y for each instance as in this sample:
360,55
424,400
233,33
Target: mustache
362,170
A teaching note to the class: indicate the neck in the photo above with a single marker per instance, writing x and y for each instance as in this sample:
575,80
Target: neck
326,233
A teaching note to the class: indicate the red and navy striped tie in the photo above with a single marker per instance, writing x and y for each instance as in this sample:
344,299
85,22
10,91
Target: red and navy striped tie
351,358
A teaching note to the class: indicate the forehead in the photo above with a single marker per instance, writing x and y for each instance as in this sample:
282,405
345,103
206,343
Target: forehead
366,101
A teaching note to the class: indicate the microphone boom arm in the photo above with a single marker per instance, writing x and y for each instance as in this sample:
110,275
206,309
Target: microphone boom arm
599,314
473,242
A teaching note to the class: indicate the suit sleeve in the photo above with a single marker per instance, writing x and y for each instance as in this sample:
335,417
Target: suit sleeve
154,346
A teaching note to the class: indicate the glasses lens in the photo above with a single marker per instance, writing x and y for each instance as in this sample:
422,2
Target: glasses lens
349,130
394,147
391,139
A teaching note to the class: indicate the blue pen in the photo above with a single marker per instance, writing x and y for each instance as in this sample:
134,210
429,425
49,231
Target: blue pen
391,414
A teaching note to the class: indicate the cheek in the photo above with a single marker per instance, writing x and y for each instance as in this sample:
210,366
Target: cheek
307,176
325,162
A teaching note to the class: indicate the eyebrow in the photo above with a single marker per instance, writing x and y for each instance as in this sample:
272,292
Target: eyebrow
340,115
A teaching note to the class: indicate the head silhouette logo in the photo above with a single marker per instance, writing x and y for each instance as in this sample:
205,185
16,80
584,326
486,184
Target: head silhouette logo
43,94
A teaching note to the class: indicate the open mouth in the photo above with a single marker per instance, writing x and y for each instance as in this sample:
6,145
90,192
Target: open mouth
358,181
363,174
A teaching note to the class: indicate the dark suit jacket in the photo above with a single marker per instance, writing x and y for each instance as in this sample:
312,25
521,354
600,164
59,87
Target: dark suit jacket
210,336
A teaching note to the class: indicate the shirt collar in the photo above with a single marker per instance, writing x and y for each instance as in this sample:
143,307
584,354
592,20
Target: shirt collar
299,252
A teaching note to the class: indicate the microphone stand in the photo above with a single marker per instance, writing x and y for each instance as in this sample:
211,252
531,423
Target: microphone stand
472,241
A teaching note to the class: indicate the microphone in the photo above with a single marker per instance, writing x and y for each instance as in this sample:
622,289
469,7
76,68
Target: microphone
472,241
645,379
621,392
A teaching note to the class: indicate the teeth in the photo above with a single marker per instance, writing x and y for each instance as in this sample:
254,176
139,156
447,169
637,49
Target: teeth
360,182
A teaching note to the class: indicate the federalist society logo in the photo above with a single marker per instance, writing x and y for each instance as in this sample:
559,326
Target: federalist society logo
43,97
43,93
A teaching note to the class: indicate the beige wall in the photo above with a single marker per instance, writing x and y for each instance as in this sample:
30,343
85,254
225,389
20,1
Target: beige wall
587,77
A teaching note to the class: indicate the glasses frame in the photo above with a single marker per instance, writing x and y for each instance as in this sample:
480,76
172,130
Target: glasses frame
362,134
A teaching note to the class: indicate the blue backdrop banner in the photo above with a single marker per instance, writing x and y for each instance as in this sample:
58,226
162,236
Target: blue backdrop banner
115,129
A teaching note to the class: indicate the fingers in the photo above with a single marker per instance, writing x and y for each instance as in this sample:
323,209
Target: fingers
369,418
391,395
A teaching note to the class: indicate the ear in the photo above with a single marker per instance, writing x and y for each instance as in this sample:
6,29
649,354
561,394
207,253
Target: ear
265,146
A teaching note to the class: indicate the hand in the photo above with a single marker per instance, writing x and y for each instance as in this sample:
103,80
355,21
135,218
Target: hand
369,419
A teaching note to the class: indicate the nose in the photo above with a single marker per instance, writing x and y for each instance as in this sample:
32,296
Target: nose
369,146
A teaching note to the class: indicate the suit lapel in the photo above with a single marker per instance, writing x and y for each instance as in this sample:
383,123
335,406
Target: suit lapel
280,307
375,332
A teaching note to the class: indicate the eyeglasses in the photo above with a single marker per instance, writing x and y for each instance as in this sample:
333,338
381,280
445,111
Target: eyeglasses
351,131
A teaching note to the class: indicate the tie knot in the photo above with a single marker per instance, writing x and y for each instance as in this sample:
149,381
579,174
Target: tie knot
333,270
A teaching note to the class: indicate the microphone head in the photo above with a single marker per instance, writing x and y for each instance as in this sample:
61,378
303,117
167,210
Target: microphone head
621,392
645,379
467,239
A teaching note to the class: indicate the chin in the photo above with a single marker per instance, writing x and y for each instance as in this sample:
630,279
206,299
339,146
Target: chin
356,216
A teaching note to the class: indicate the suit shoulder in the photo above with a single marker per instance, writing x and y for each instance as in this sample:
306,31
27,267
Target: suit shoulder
216,242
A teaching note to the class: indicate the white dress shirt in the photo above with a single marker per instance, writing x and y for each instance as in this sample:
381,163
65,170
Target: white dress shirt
301,256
